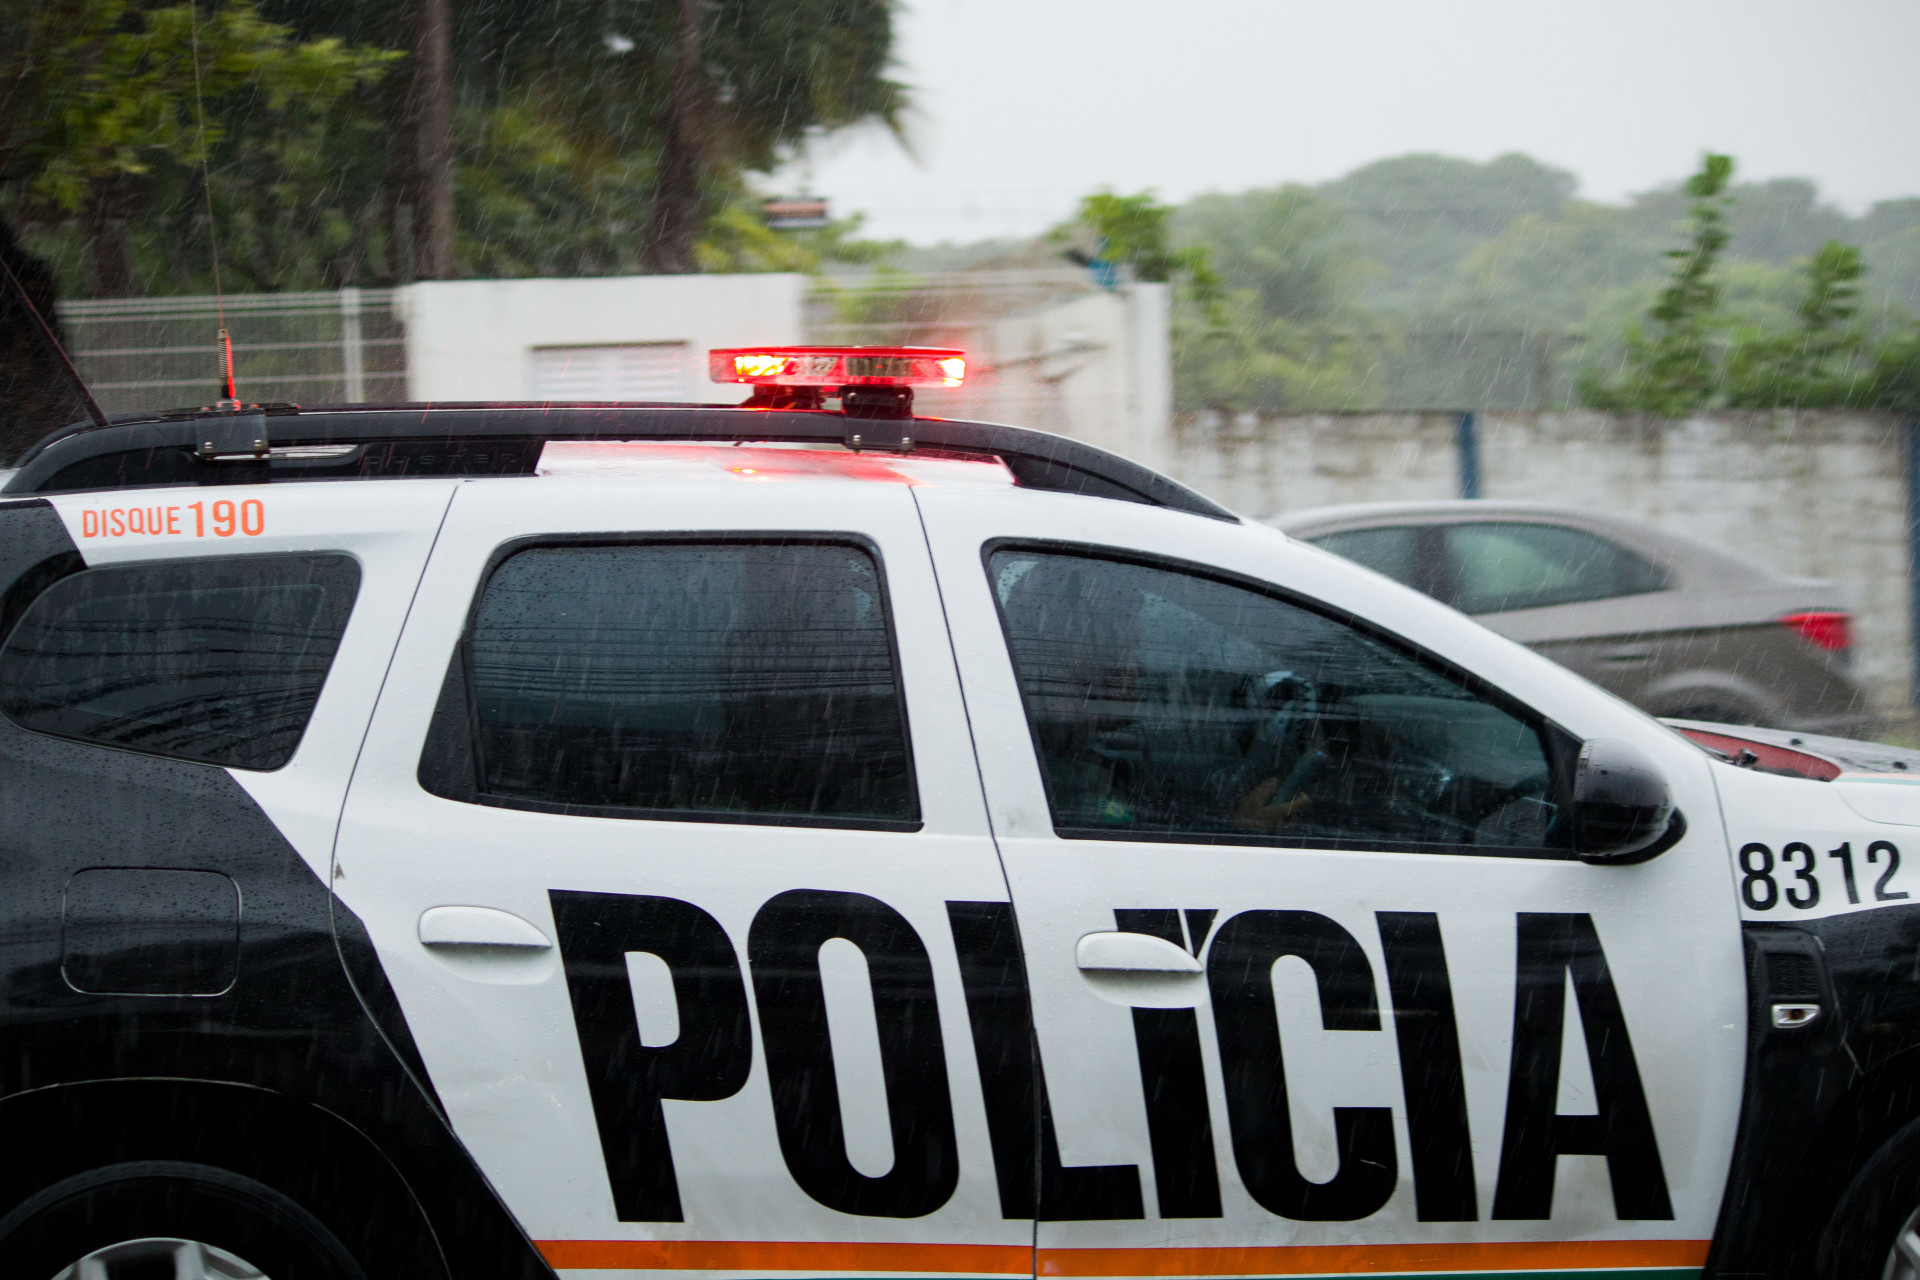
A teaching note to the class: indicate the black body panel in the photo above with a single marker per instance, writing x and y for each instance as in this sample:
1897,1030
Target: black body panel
1820,1099
285,1073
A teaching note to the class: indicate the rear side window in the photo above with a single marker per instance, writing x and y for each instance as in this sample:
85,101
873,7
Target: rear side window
724,681
1392,551
218,660
1496,567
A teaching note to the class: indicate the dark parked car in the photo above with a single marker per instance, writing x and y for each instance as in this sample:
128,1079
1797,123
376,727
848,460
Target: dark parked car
1675,627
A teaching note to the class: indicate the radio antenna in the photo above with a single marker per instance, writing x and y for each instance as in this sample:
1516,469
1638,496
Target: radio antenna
229,396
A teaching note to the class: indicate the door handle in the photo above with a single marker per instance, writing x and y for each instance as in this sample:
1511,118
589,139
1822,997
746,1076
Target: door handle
479,927
1133,953
1627,654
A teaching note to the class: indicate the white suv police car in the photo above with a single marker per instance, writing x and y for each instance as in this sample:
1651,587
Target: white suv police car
484,841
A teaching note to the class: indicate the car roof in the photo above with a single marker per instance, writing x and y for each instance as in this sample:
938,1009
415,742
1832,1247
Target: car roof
1347,513
1671,550
276,444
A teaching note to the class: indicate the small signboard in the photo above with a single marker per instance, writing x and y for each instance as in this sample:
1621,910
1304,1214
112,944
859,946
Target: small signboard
794,213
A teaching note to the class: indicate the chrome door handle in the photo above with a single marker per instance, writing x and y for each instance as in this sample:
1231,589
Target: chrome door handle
479,927
1787,1017
1133,953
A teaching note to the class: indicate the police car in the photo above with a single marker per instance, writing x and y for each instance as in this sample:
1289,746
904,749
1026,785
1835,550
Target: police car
806,839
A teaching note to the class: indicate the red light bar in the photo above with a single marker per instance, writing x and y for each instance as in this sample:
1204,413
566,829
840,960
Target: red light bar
1829,629
839,366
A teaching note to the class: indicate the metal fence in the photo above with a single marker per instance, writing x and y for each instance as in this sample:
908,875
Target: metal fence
348,346
342,347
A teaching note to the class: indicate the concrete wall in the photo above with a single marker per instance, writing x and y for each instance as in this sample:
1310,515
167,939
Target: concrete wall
475,339
1815,494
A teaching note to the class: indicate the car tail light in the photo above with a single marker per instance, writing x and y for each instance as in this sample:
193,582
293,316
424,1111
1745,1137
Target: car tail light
1829,629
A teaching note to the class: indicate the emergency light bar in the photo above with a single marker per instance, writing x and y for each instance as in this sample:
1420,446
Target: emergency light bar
872,382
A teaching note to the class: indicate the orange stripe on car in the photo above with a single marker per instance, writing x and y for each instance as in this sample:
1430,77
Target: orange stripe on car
978,1259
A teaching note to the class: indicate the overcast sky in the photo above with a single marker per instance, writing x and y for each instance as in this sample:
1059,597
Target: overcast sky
1025,105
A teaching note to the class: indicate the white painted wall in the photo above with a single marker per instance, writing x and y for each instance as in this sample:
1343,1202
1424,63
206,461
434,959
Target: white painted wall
475,339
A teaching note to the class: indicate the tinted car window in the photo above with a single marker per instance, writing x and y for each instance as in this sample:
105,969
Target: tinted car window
735,681
1393,551
1500,566
1167,704
217,660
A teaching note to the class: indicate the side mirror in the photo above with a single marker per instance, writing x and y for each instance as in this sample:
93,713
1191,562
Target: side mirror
1622,809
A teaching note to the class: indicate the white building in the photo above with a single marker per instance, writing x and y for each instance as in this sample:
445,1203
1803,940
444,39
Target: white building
608,338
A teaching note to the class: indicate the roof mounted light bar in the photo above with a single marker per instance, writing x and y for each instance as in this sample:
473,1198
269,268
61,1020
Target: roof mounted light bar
872,382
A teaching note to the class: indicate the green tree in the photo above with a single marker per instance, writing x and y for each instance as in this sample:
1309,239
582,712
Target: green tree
1816,364
1290,334
554,156
659,110
1896,373
1135,234
1420,216
1673,370
1250,361
101,129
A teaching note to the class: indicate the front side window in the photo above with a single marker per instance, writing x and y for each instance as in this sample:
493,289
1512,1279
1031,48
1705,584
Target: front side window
1499,566
217,660
1167,704
733,681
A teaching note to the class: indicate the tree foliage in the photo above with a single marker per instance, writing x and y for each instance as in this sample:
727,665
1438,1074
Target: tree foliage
1817,362
100,133
1456,284
559,118
563,111
1672,365
1134,234
1290,332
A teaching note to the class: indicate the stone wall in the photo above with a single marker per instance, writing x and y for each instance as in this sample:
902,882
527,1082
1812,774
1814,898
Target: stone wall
1816,494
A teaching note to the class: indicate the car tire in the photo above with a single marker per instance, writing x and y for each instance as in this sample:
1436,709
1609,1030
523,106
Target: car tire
1874,1233
55,1228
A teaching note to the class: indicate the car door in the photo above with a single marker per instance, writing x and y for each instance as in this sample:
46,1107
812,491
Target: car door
1318,986
654,833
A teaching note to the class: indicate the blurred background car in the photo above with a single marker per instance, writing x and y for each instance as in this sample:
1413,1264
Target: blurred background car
1675,627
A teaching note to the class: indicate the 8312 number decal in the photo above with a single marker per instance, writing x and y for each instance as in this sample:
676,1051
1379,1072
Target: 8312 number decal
1794,876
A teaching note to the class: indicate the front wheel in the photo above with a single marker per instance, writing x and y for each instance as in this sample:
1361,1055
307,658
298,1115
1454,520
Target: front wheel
161,1260
150,1217
1874,1233
1903,1255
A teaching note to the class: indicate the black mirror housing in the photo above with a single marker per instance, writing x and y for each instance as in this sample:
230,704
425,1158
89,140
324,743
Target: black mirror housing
1622,807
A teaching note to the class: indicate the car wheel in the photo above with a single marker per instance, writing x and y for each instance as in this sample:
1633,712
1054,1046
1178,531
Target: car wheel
147,1218
161,1260
1874,1233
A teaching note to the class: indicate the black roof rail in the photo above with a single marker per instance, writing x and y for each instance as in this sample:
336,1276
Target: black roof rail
392,441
